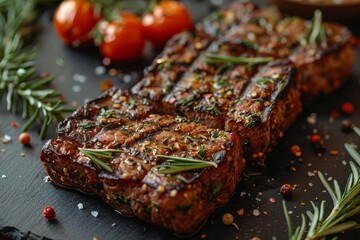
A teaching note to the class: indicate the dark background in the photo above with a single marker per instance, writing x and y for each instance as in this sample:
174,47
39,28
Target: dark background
24,193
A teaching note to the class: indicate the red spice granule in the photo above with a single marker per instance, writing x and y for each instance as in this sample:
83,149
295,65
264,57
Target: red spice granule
44,74
347,108
272,200
315,138
335,114
14,124
286,191
49,212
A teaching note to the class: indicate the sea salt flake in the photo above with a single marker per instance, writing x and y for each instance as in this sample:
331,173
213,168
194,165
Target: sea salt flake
113,225
81,207
329,179
3,176
290,212
95,213
311,119
100,70
242,194
127,78
76,88
256,212
6,139
311,174
344,162
47,179
79,78
311,184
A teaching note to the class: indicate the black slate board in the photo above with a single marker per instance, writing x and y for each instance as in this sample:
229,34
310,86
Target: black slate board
23,192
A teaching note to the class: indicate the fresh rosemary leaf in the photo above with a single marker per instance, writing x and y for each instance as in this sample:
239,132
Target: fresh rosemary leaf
317,32
346,204
357,130
179,164
95,156
353,153
17,69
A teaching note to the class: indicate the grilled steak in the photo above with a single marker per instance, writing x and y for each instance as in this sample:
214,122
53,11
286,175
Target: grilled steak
180,202
243,106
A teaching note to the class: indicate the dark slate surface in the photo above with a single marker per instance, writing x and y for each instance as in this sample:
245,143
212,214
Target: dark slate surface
23,192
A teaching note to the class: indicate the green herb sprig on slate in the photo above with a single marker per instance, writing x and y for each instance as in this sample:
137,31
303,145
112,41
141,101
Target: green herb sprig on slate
221,59
346,204
18,86
179,164
96,155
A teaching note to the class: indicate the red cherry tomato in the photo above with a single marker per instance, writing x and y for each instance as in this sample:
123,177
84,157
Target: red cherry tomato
165,20
122,39
74,20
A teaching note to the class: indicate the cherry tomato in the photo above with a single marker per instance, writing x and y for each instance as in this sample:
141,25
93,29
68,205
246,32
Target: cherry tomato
123,38
165,20
74,20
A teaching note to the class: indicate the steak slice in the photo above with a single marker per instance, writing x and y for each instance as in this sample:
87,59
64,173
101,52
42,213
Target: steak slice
180,201
268,107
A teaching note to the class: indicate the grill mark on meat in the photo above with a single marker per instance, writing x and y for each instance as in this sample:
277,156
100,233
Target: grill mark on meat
133,189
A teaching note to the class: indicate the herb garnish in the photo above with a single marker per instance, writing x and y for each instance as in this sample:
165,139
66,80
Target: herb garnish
188,102
252,121
346,204
215,134
17,69
264,81
95,156
251,61
201,152
317,32
179,164
86,126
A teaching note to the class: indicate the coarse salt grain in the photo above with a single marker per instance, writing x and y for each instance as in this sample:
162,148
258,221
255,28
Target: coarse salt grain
311,174
99,70
3,176
79,78
6,138
242,194
256,212
344,162
113,225
311,119
81,207
127,78
290,212
95,213
46,179
311,184
76,88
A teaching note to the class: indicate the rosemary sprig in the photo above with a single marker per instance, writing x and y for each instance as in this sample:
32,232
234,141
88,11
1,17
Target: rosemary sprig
179,164
17,69
346,204
96,155
221,59
316,31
